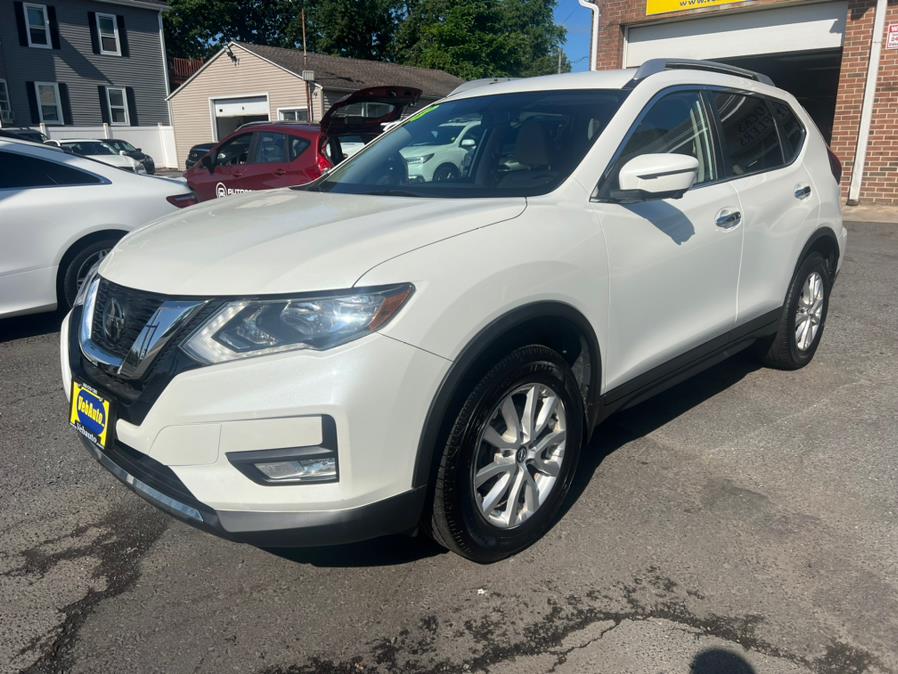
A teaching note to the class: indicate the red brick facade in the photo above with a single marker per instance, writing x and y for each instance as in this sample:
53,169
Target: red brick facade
880,184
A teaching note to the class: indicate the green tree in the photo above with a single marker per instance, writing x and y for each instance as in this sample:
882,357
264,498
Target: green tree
481,38
358,28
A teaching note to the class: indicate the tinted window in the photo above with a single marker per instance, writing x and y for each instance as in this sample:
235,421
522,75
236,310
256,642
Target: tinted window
678,124
296,146
530,143
750,140
88,148
271,148
791,131
235,152
18,171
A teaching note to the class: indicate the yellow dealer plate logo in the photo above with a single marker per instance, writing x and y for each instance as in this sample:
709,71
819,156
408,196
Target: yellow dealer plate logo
89,414
665,6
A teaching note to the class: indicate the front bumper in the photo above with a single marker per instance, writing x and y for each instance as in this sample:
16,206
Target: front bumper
179,454
151,481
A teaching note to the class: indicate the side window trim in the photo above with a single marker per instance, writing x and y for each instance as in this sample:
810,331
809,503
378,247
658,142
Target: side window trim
705,91
771,101
596,197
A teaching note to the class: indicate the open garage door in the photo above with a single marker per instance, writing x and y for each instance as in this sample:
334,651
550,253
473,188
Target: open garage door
799,47
230,113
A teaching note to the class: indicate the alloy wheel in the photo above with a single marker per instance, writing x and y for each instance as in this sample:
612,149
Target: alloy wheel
809,313
519,455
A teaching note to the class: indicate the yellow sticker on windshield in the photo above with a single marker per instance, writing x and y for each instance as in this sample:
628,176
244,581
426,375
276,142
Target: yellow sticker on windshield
419,115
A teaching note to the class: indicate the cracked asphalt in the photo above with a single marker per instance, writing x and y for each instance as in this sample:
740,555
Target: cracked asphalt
745,521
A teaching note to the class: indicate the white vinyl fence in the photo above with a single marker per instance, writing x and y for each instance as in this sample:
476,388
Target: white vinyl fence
156,141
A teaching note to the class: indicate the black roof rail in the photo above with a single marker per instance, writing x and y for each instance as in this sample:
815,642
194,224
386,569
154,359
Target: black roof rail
654,66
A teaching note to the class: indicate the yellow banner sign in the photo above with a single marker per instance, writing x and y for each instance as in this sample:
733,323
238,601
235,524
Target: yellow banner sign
665,6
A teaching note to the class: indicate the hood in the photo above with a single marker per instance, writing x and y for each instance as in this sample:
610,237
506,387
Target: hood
336,121
288,241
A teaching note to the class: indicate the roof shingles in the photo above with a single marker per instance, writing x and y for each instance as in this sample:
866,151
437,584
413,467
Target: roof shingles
349,74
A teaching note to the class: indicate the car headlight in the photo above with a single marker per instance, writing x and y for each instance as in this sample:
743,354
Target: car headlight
421,159
251,327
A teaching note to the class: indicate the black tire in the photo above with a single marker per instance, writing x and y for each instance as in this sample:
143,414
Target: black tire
446,172
782,351
457,522
77,265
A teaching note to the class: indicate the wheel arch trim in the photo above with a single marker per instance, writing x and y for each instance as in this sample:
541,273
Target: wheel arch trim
476,348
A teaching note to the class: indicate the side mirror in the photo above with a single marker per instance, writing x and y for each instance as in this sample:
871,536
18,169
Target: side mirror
468,143
656,176
207,162
123,153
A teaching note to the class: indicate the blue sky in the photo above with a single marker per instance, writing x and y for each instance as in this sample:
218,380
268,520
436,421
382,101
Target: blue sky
576,19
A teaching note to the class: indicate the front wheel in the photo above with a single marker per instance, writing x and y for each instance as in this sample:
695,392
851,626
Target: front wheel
510,457
78,267
804,316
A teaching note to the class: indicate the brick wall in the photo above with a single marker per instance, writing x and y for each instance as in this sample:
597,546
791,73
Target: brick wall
880,183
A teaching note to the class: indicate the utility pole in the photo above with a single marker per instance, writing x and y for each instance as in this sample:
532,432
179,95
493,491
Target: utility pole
559,61
305,66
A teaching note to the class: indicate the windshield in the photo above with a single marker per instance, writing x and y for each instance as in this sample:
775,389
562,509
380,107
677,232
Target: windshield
121,145
520,144
88,147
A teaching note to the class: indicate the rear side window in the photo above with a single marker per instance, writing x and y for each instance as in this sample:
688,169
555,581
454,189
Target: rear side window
19,171
677,123
792,133
296,146
750,141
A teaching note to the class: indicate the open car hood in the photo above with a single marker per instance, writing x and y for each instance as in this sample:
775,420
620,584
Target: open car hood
336,121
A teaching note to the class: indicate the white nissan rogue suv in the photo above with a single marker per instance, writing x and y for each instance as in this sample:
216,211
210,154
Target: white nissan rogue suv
371,354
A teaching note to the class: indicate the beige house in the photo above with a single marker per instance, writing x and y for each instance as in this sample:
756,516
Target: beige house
248,82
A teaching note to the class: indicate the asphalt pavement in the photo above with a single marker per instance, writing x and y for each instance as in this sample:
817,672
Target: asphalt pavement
745,521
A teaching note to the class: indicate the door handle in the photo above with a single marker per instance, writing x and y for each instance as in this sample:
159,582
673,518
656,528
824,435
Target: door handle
280,172
802,191
728,218
237,174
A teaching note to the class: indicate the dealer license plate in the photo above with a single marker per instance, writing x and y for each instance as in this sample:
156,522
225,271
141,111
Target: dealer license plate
90,414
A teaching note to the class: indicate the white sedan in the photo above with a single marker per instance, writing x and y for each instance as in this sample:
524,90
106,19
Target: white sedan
100,151
60,214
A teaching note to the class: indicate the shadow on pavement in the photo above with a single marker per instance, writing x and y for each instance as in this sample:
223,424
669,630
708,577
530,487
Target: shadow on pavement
386,551
718,661
31,325
636,422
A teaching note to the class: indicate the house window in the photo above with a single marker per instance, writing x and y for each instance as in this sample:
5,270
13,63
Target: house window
48,102
118,106
294,114
38,25
107,31
5,107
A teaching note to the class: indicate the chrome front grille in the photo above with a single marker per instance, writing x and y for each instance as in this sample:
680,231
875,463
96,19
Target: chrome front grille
119,315
123,330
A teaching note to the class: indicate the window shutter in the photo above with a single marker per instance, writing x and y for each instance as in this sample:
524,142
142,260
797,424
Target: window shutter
122,35
54,26
65,103
94,37
104,104
20,24
32,102
132,106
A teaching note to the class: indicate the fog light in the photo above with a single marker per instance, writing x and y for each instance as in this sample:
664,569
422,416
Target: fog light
311,469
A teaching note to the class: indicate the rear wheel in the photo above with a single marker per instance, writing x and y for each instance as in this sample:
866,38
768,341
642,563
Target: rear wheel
78,266
804,316
510,457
